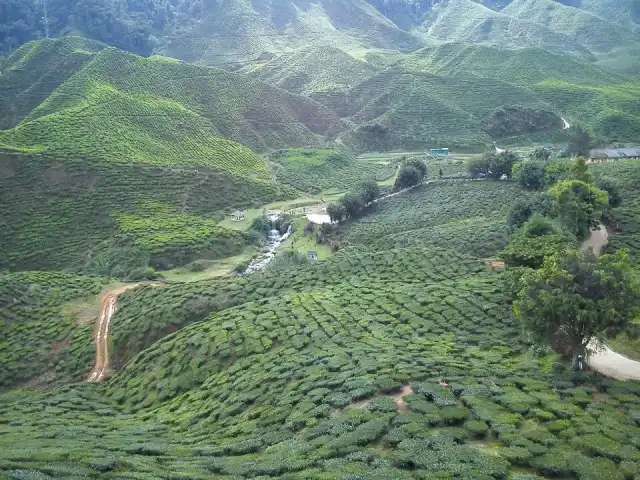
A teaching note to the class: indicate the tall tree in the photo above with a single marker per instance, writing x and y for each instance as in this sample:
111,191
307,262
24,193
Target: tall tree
578,205
576,298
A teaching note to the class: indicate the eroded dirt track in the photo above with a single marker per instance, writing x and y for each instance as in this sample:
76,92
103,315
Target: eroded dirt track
108,301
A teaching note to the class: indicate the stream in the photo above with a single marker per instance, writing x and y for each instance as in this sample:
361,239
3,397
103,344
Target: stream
274,240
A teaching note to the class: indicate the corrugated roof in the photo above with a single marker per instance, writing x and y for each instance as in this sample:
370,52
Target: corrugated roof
615,152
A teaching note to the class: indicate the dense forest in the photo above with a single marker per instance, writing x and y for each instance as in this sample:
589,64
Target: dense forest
128,24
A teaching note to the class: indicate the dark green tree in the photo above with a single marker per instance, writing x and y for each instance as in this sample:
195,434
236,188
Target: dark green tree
529,174
610,186
369,191
408,176
580,141
576,298
541,154
353,204
578,205
336,212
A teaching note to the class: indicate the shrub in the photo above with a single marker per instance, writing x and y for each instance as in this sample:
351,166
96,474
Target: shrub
477,428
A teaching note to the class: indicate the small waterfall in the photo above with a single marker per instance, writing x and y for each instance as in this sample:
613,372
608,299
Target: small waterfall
275,240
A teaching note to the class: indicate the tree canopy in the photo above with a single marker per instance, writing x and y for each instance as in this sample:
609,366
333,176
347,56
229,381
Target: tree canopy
578,205
576,298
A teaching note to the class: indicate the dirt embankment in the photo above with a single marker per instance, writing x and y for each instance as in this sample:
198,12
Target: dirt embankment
108,300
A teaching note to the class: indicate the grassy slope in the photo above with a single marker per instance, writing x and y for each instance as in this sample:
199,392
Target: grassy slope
239,31
607,102
469,217
523,67
234,106
595,33
625,12
424,110
468,21
36,69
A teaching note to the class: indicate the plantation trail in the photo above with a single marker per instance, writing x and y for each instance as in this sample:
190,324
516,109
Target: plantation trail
605,360
108,300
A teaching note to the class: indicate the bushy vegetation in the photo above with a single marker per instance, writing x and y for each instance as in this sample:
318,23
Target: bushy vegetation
46,324
89,215
314,170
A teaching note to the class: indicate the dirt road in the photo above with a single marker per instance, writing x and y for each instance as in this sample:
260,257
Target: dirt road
108,300
605,360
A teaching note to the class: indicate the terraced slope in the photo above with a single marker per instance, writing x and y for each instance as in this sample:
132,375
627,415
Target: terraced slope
36,69
397,109
237,32
57,214
523,66
314,170
469,217
324,74
595,33
208,102
471,22
369,375
46,324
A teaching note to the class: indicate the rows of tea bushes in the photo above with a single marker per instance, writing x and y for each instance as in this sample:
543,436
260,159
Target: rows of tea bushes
172,237
314,170
478,236
148,314
39,333
306,386
452,207
56,215
198,99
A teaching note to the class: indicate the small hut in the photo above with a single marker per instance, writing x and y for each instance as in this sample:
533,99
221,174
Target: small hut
237,216
312,255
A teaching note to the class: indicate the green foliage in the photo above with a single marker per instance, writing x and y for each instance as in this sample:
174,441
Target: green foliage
579,205
519,120
44,336
353,203
75,214
314,170
529,174
577,297
493,165
336,212
610,186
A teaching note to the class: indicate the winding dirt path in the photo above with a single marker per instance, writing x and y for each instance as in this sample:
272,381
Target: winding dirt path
108,300
565,125
605,360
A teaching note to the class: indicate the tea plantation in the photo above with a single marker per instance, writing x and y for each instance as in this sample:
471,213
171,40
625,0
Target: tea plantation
467,216
44,334
417,372
57,215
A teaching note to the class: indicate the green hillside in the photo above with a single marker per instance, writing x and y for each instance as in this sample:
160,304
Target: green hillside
595,33
92,214
625,12
399,109
312,170
236,32
35,70
227,105
46,326
523,67
471,22
321,73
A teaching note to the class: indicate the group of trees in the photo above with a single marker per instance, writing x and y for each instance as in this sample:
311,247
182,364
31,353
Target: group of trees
413,171
564,297
128,24
352,204
492,165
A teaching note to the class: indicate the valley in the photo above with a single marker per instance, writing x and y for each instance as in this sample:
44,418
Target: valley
339,239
